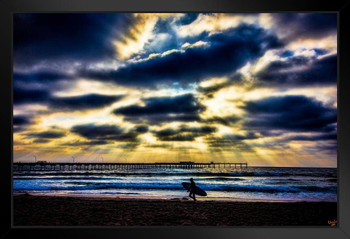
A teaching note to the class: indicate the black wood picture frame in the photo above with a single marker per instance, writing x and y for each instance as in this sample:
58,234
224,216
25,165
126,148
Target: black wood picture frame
341,7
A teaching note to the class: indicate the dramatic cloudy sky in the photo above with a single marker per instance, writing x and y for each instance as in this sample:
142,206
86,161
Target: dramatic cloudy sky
256,88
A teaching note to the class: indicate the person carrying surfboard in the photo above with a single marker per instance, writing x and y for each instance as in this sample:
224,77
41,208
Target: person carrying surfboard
191,189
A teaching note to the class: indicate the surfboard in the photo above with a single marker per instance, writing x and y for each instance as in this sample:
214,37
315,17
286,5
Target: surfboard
197,190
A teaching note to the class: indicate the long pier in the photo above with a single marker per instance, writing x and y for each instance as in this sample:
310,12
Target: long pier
49,166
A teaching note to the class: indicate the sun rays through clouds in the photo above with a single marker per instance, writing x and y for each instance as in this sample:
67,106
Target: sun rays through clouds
257,88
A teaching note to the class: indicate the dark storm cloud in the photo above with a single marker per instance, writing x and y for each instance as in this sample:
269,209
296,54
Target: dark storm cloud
225,120
105,132
187,19
320,51
217,144
249,135
306,25
92,131
182,129
234,79
227,52
326,136
83,102
331,147
210,90
163,118
128,146
23,96
310,72
160,109
183,133
288,63
323,147
290,113
19,120
172,41
46,81
141,128
179,137
41,141
277,145
270,133
163,105
39,77
232,142
46,135
42,37
89,143
317,52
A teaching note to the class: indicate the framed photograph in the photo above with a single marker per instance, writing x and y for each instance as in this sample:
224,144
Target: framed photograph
175,119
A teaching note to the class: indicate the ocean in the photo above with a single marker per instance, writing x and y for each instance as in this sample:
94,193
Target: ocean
253,183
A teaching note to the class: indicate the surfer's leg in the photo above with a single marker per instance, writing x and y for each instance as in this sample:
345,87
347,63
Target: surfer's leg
192,195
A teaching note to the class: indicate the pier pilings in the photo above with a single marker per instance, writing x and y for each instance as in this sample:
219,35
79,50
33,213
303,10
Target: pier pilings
113,166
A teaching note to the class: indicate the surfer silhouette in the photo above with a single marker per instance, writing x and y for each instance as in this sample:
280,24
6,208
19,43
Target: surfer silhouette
191,189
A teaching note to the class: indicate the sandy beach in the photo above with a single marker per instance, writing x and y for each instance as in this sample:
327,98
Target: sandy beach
32,210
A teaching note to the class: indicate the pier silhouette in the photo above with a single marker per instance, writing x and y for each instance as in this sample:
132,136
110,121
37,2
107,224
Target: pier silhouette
72,166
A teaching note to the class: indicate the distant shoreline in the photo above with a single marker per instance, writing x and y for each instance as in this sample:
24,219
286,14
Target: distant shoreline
32,210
